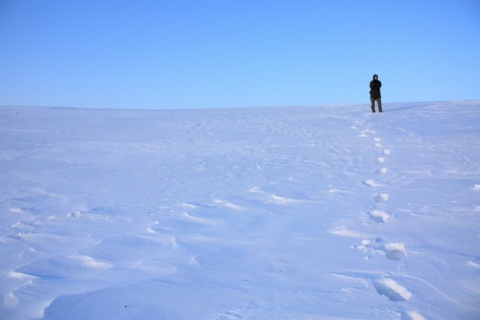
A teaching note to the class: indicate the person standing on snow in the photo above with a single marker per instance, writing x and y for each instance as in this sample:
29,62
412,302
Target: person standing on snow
375,93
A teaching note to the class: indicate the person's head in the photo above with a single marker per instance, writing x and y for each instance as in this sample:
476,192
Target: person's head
375,77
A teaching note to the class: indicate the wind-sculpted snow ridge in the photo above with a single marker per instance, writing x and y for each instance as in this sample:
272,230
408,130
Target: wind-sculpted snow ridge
327,212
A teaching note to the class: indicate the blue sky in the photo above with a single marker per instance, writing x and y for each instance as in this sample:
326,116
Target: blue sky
236,53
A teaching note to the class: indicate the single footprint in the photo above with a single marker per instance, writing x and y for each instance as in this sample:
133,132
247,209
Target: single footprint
379,216
411,315
382,171
381,197
395,251
391,289
371,183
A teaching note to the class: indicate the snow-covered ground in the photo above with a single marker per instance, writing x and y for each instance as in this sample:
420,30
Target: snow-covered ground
327,212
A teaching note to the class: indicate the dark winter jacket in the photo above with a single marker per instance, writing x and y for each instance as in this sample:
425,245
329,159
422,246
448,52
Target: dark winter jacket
375,89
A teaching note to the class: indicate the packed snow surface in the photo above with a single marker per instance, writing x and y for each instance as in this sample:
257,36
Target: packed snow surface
327,212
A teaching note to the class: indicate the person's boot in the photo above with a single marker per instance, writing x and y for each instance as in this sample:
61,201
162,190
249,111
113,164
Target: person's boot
373,108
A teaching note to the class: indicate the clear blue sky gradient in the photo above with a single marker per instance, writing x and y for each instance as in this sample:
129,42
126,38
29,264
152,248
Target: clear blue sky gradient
232,53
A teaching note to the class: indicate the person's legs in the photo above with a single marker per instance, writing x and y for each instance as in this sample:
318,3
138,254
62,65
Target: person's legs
379,103
372,100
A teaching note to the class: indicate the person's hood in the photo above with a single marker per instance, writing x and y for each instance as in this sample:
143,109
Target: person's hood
374,76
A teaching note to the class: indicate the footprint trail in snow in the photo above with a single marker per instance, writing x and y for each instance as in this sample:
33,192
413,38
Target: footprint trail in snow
394,251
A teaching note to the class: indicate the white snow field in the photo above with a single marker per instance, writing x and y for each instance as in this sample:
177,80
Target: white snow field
321,212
